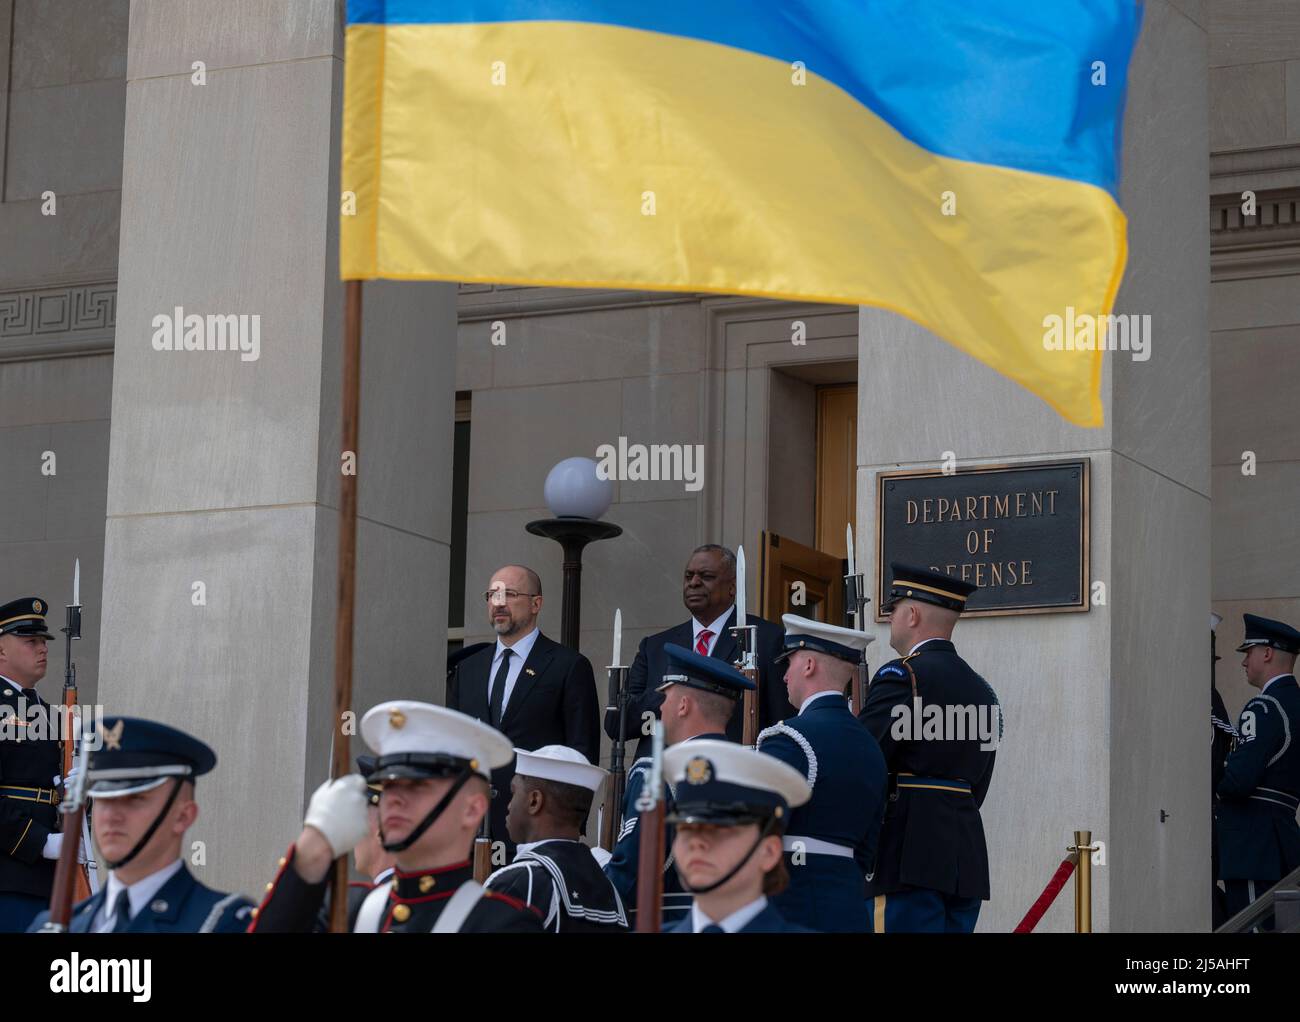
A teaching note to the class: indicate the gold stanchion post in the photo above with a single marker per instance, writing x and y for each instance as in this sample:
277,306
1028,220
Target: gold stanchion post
1083,881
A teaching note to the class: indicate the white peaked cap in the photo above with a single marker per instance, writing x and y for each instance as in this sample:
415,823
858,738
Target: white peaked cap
704,761
850,637
405,726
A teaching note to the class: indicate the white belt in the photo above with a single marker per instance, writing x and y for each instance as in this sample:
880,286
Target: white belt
815,846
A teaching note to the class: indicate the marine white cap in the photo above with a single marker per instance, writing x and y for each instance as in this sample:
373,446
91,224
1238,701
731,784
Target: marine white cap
407,737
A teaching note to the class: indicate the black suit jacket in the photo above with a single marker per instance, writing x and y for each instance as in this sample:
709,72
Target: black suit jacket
553,703
651,663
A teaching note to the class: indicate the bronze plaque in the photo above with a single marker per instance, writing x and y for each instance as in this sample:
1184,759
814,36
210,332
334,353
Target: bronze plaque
1019,532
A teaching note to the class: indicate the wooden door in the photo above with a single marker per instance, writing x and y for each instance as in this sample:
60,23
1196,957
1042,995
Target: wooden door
796,579
836,501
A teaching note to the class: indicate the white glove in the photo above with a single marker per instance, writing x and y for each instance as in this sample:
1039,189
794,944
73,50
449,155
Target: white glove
54,845
338,809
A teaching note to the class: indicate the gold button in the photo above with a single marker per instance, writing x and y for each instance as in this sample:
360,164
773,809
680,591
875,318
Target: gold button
283,860
401,914
270,886
426,884
254,912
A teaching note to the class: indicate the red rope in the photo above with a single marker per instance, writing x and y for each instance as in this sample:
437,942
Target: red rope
1049,894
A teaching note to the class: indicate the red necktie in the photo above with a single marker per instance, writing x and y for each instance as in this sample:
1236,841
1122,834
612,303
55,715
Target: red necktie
702,643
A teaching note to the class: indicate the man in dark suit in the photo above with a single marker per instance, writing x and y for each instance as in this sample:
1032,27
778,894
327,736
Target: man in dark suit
530,688
709,592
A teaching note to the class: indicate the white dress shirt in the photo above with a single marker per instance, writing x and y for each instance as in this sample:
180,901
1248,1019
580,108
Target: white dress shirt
18,689
520,650
932,638
139,894
817,695
716,628
733,922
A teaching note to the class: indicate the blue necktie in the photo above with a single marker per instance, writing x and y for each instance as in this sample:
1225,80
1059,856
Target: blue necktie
713,928
122,912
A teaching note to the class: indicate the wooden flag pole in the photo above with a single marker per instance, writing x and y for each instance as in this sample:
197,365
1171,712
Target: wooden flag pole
351,401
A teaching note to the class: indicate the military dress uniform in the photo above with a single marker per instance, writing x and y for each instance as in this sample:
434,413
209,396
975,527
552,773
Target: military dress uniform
1259,840
135,756
722,784
28,795
357,889
932,869
411,740
694,671
558,876
830,841
562,881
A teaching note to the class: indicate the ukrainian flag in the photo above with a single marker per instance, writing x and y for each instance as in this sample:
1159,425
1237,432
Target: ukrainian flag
953,160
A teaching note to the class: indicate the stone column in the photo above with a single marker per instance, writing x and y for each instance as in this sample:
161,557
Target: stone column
220,571
1105,711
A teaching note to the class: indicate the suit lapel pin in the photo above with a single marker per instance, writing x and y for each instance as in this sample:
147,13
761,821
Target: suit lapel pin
530,672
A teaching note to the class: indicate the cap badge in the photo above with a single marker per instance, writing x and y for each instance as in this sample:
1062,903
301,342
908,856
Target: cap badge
699,771
396,719
38,607
112,736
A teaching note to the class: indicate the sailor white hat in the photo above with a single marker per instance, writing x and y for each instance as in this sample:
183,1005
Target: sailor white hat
559,763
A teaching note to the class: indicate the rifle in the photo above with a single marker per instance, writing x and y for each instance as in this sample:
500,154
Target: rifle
855,605
483,849
612,810
73,808
650,868
746,636
81,886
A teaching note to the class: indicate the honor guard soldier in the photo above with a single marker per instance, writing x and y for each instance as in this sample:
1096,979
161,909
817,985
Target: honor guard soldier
1259,841
29,768
731,809
369,856
932,869
830,840
141,780
434,765
553,871
700,694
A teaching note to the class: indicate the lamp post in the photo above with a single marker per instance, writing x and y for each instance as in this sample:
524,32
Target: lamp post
577,497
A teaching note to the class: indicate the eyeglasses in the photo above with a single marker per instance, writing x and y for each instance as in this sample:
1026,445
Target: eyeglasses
509,594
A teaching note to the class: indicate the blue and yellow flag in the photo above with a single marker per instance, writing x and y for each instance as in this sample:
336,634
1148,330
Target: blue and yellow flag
953,160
